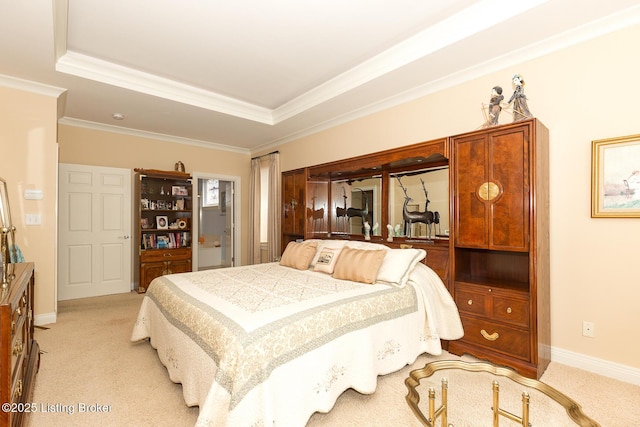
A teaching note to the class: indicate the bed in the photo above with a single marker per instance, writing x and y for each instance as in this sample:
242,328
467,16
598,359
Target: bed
270,344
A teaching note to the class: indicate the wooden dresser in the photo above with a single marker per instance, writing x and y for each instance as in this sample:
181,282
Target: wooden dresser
19,352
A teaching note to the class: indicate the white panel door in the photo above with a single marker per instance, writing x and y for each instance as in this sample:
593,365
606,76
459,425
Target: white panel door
94,231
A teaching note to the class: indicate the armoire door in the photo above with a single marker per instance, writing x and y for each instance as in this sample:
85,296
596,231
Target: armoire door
492,189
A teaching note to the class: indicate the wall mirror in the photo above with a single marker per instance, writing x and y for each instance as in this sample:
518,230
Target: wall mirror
419,203
8,235
381,189
354,202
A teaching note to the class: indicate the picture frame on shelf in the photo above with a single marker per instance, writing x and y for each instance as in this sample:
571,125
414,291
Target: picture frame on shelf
615,177
179,205
162,222
144,223
178,190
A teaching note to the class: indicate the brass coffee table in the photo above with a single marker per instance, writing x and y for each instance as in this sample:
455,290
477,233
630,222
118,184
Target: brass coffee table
573,409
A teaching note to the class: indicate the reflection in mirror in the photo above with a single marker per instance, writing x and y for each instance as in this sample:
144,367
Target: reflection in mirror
419,203
317,209
354,202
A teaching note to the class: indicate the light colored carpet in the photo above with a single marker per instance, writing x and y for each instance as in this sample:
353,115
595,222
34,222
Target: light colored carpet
88,362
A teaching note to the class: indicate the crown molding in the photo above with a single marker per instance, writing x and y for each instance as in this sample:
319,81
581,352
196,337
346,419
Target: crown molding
107,72
150,135
606,25
30,86
447,32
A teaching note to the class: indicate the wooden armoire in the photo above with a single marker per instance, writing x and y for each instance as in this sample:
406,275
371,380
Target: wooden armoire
500,250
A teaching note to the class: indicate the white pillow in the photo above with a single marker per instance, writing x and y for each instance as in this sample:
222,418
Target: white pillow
398,264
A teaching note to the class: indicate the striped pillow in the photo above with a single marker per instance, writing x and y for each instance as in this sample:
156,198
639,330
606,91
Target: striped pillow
298,255
359,265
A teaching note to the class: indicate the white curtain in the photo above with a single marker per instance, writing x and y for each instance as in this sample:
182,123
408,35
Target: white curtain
274,217
254,212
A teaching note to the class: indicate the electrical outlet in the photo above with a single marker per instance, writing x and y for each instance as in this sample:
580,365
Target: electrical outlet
589,329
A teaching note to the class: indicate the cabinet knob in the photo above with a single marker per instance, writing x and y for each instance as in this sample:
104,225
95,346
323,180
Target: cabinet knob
509,310
470,302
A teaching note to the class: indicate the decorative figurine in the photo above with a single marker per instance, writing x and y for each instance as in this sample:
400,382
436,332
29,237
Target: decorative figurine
519,99
411,217
179,167
367,231
390,233
493,111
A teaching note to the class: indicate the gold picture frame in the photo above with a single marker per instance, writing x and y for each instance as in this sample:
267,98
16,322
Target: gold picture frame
615,177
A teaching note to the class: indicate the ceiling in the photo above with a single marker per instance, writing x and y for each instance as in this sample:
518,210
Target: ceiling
247,75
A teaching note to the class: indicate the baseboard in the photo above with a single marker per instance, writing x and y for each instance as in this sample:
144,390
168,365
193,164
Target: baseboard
603,367
44,319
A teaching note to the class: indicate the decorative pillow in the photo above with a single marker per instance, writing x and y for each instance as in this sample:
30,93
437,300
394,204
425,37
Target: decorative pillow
298,255
398,264
365,245
325,243
359,265
327,259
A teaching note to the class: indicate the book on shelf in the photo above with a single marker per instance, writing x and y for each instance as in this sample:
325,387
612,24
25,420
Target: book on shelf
166,240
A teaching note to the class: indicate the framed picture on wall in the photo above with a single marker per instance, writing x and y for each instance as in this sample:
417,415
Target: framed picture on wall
615,177
162,222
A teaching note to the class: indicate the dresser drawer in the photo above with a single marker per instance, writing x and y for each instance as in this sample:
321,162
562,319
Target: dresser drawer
157,255
502,305
18,348
496,337
469,301
19,334
511,310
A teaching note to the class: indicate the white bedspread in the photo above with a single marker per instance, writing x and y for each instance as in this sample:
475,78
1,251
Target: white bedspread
270,345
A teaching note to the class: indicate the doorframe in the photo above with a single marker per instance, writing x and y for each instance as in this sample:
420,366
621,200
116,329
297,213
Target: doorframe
196,176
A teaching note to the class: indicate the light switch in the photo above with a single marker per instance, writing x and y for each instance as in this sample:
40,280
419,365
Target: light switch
33,219
33,194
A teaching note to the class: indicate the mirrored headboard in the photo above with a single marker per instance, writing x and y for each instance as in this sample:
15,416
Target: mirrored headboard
402,192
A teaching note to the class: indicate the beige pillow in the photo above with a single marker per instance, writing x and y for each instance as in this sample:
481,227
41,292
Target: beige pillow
359,265
298,255
327,259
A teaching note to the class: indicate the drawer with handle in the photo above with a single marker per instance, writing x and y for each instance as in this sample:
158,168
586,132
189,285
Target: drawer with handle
497,337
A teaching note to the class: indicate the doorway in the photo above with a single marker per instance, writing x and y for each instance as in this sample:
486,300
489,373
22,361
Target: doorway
215,222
